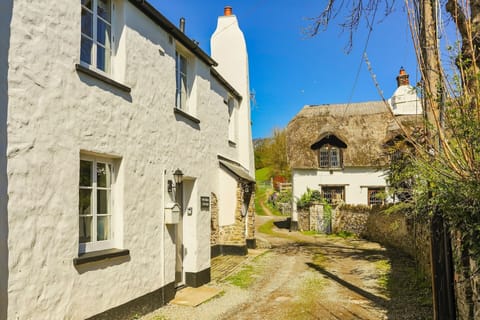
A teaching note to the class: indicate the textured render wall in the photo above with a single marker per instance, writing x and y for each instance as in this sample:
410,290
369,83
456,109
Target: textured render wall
47,129
354,179
5,19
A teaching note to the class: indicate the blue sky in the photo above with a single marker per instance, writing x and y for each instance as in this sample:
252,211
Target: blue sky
288,69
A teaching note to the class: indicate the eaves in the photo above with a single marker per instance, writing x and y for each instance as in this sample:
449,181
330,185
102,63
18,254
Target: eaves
165,24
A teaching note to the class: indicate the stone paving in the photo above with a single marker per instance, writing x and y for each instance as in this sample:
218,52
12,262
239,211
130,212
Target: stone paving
223,266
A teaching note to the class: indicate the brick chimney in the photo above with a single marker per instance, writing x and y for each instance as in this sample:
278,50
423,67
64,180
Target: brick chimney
402,78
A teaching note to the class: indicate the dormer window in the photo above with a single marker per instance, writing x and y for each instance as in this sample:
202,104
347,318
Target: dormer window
330,151
329,157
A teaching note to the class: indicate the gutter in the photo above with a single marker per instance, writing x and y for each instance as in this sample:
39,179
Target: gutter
222,80
165,24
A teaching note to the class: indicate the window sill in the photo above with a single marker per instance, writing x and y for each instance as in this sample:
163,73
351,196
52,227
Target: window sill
101,77
184,114
100,255
232,143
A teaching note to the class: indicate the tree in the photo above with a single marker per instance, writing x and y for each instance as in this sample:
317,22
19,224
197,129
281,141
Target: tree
272,152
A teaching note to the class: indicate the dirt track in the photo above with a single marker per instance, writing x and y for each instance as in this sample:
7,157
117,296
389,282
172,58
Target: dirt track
316,277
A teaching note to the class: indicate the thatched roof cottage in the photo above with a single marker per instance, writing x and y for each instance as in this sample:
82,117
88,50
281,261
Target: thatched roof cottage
339,150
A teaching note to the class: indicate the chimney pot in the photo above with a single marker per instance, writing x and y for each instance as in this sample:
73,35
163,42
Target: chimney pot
402,78
182,24
227,11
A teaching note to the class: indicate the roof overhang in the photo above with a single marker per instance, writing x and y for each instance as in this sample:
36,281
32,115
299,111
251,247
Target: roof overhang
163,22
236,169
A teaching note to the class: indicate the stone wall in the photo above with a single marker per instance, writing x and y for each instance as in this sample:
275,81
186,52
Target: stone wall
251,217
234,234
350,221
396,229
303,220
402,232
214,228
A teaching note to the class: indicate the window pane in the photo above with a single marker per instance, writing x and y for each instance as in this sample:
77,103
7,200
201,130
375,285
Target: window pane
324,157
86,50
103,9
85,173
103,175
85,229
103,228
103,201
87,23
103,59
87,3
85,202
183,65
103,33
334,157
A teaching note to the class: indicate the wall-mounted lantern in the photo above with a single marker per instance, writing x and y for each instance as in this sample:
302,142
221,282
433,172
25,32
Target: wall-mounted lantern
178,177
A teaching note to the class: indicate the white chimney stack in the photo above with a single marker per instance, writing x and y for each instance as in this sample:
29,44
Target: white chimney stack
229,49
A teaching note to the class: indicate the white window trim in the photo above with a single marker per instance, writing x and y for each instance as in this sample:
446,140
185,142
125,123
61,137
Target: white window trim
93,65
105,244
190,77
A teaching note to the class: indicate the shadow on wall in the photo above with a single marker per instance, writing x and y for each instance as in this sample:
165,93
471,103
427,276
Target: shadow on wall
6,8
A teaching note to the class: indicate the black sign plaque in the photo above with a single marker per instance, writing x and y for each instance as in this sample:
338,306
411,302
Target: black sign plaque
205,203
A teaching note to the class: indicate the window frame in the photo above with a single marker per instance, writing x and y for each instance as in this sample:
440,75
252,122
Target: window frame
371,191
330,200
95,244
94,38
182,99
325,154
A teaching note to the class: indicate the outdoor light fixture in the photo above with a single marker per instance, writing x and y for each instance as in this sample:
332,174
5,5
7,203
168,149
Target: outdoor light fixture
178,177
246,188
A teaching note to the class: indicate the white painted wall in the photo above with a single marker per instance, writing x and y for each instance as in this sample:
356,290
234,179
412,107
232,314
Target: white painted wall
228,48
405,101
227,198
5,19
356,181
47,129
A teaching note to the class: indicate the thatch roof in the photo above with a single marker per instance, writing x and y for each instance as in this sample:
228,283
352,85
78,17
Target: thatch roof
363,127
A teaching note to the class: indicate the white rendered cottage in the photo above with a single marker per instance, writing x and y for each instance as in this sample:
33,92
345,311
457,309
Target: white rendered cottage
122,144
338,149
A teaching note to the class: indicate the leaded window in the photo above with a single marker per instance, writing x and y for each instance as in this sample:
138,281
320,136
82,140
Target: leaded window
333,194
330,157
375,196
